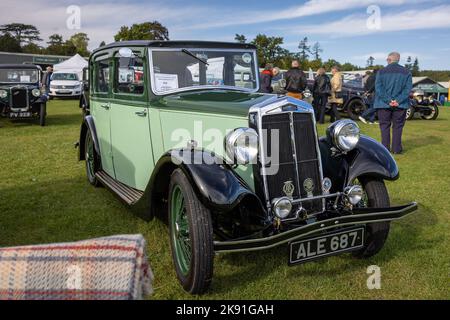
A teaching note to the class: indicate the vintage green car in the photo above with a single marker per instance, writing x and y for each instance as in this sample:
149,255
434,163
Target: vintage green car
178,130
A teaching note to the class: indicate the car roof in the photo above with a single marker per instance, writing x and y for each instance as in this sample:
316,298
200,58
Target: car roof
177,44
19,66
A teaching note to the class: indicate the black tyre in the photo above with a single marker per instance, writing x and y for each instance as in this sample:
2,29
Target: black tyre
410,113
376,233
191,235
433,114
42,114
356,108
92,159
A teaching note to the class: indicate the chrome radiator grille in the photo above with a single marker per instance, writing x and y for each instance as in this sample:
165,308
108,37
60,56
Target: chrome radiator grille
299,160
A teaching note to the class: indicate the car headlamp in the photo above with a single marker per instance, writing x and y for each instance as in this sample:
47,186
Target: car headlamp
282,207
344,135
354,194
3,94
241,145
36,92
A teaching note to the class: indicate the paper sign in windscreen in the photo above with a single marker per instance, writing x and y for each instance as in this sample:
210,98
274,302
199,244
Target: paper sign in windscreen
24,78
166,82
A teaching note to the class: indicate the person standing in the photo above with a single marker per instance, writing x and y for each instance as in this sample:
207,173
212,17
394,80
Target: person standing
369,88
442,99
295,81
321,91
46,79
336,93
392,88
266,79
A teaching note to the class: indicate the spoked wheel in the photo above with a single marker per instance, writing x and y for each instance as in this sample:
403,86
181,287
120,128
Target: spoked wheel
355,109
376,196
92,160
432,115
410,113
191,236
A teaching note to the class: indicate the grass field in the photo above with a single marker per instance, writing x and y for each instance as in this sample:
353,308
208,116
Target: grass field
45,197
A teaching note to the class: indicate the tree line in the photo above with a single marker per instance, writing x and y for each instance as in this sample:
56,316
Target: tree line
26,38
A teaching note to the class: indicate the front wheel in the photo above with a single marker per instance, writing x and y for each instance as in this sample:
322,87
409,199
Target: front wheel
42,114
432,115
376,196
355,109
191,235
410,113
92,159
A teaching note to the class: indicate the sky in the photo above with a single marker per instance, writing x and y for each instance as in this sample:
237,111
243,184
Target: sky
348,30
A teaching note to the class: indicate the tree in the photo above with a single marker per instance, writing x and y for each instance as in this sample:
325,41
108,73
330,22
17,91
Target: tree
330,63
80,41
316,50
9,44
370,62
415,67
349,67
305,50
55,40
143,31
24,33
240,38
269,49
32,48
408,64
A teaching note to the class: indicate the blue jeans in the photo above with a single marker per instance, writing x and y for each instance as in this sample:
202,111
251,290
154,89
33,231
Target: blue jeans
370,113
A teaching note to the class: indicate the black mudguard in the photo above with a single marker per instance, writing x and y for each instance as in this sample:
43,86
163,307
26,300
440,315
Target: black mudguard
88,124
368,159
215,183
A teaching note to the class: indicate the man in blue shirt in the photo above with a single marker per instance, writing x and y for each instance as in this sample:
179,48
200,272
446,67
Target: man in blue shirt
392,88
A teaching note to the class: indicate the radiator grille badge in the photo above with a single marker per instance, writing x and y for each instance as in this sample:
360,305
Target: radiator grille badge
308,184
288,188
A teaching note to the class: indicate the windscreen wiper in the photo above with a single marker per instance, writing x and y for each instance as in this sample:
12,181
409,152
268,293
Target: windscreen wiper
194,56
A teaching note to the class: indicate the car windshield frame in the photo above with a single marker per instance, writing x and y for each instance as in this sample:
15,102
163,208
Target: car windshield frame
18,70
57,73
201,87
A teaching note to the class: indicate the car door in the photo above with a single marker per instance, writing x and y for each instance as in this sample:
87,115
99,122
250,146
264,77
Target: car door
100,111
130,130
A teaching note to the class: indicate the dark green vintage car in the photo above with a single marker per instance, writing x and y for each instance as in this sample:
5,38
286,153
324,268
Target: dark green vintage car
178,130
20,92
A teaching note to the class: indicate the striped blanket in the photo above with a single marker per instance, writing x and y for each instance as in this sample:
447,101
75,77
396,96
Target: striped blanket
106,268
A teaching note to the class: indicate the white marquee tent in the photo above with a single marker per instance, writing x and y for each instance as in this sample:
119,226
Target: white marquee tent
75,64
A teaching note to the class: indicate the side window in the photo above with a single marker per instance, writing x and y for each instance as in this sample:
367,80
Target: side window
129,75
101,76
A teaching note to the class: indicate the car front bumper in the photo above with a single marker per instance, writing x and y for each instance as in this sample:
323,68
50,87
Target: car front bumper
64,93
360,216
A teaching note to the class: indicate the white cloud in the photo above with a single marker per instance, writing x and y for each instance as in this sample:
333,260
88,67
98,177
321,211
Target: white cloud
354,25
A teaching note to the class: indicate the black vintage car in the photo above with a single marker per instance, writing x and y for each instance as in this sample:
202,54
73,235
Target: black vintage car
20,92
84,97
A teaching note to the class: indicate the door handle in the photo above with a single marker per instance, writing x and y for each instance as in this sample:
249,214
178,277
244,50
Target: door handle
141,113
105,106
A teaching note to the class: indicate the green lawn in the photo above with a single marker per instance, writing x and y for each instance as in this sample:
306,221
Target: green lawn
45,197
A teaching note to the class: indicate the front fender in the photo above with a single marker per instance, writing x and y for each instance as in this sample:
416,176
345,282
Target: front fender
371,158
88,124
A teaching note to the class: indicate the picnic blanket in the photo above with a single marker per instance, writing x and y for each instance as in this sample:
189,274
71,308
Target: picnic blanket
106,268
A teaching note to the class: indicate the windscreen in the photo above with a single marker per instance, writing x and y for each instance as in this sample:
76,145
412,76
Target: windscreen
19,75
180,69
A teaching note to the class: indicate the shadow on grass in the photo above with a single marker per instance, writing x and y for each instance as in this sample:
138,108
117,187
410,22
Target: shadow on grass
404,237
424,141
52,120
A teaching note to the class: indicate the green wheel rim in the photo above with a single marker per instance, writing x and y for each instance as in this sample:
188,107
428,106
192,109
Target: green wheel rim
180,230
90,160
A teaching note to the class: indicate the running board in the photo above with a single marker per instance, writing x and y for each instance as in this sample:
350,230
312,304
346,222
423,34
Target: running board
127,194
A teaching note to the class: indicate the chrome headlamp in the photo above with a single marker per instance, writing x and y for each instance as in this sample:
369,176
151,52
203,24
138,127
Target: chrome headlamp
241,145
344,135
282,207
3,94
36,92
354,194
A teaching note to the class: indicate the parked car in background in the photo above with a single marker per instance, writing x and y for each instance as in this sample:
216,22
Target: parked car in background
20,92
425,107
174,133
65,84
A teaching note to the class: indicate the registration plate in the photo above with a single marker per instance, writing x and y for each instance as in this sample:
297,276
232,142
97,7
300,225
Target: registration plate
20,114
326,245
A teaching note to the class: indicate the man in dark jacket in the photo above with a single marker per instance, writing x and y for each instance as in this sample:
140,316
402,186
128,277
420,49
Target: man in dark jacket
392,88
369,91
266,79
46,78
321,91
295,81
